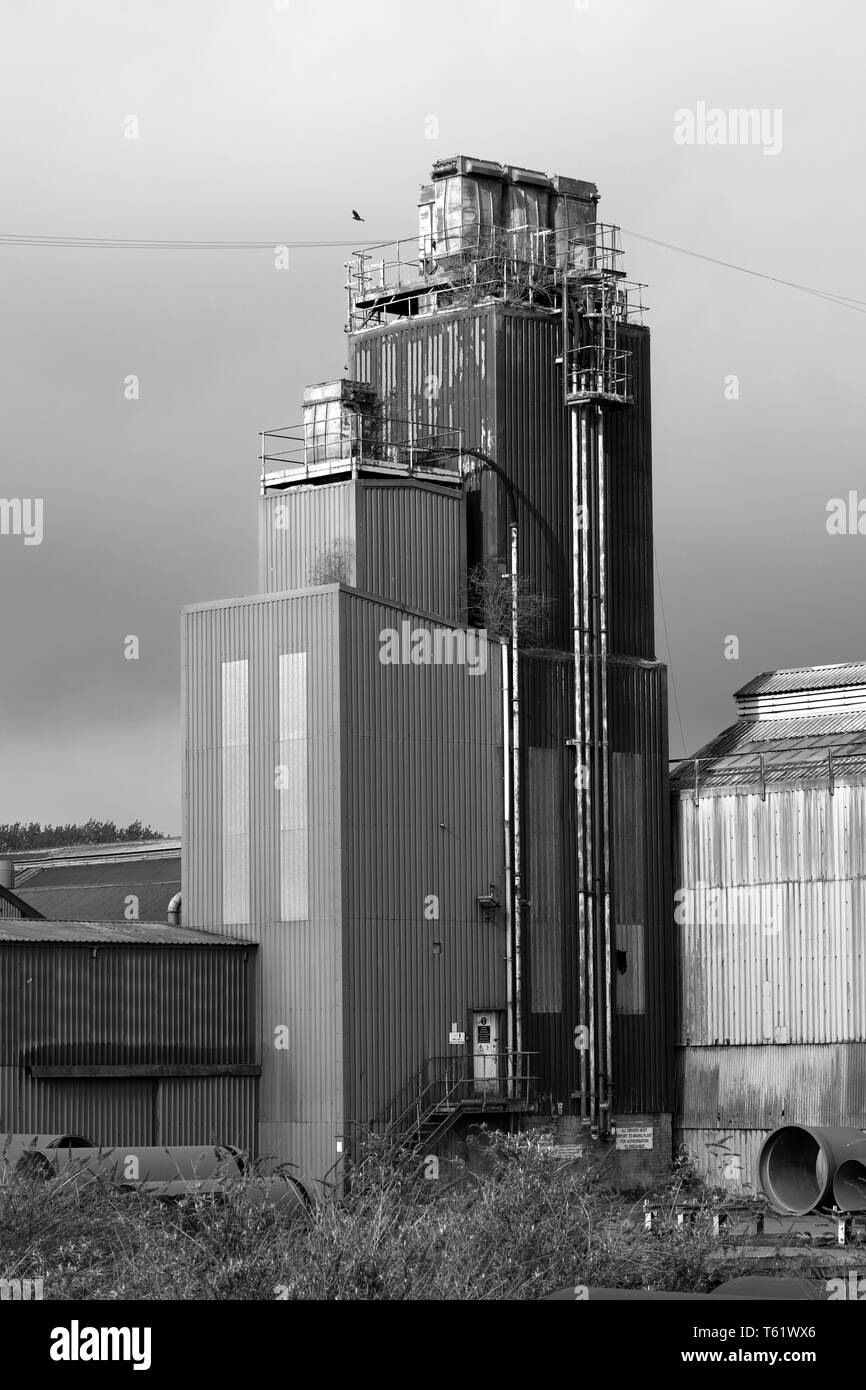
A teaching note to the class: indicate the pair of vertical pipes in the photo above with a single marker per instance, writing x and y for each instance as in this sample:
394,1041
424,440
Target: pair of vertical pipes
594,1037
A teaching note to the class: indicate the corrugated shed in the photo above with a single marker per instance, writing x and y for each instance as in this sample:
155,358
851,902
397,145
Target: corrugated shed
771,906
422,820
93,889
93,1001
300,1095
397,540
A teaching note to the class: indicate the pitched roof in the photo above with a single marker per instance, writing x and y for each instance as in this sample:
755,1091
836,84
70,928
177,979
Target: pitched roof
112,934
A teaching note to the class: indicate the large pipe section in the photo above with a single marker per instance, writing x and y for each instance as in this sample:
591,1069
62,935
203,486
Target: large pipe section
799,1166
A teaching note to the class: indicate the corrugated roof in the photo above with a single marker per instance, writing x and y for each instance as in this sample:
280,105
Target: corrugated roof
798,678
91,892
112,934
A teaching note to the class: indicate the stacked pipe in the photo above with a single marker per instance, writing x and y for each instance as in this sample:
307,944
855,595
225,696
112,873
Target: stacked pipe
804,1168
161,1171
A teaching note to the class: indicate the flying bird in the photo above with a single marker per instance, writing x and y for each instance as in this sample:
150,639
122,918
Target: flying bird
357,216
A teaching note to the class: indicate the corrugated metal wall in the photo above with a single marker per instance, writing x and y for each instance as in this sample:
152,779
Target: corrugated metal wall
422,818
412,546
300,1094
772,911
640,890
491,371
298,527
403,541
770,903
71,1005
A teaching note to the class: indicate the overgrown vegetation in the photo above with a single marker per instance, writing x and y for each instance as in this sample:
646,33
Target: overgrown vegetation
526,1226
22,835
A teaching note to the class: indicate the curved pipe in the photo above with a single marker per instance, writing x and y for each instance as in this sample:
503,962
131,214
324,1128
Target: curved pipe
798,1164
173,910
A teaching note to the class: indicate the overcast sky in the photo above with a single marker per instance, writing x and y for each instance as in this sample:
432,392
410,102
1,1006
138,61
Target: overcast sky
258,122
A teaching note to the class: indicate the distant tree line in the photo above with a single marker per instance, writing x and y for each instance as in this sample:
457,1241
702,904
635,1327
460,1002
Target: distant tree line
31,835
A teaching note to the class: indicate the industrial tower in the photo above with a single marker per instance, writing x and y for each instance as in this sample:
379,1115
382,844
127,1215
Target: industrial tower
427,765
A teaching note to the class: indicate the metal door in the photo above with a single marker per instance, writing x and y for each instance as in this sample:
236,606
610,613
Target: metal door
485,1053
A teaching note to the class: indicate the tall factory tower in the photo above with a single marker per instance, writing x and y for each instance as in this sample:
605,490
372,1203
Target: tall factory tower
426,766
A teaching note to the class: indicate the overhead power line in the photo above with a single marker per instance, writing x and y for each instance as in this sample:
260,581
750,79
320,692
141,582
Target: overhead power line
846,300
157,244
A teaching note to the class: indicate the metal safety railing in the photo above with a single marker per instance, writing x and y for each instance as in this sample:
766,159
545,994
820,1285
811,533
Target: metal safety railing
465,1080
358,440
598,371
763,769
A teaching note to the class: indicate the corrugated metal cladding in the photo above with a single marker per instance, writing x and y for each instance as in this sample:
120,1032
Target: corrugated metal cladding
422,779
495,369
82,1005
730,1098
400,540
300,1094
643,1025
405,804
771,904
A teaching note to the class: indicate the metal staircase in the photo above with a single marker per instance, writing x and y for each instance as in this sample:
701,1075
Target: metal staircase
447,1088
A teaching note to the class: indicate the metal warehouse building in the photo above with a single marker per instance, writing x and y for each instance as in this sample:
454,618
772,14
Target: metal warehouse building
769,828
127,1033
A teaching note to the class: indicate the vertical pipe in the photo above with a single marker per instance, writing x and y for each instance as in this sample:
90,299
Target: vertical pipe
605,768
517,903
587,716
579,749
506,815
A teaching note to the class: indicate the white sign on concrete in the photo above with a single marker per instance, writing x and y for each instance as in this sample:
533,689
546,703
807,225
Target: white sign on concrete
634,1136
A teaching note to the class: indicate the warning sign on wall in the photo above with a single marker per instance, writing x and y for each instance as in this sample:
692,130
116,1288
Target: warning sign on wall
634,1136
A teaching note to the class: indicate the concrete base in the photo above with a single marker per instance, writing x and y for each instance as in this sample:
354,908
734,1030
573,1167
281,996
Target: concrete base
638,1155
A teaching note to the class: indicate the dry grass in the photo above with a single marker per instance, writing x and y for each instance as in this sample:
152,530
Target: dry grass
525,1227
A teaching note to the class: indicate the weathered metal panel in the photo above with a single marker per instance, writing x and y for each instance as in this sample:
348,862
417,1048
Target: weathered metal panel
766,1086
412,546
771,909
300,1094
213,1110
730,1098
491,371
422,820
304,532
727,1158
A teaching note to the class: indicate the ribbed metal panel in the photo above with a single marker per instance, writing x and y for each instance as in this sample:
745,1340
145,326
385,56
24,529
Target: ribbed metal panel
762,1087
423,817
79,1005
771,901
83,1005
401,540
640,839
300,1094
727,1158
213,1110
412,546
297,526
491,371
